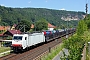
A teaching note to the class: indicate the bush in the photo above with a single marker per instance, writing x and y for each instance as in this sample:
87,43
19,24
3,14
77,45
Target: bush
75,46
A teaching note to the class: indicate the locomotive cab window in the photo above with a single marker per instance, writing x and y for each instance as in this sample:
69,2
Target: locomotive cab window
25,38
17,38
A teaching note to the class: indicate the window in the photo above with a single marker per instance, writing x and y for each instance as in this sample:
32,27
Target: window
17,38
25,38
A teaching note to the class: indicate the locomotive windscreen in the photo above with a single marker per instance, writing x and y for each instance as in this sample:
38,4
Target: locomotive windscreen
17,38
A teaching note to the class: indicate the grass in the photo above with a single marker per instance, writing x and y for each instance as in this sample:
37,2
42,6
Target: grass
88,57
3,49
87,53
5,54
53,53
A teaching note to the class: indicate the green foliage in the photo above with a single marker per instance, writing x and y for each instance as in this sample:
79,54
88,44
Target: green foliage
76,43
75,46
10,16
0,19
24,25
3,49
42,24
53,52
81,27
87,21
86,36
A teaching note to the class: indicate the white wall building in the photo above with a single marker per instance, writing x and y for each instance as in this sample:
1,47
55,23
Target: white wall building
51,27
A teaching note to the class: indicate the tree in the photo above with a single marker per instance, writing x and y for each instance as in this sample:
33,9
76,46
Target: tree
40,25
82,27
24,25
11,16
75,46
87,20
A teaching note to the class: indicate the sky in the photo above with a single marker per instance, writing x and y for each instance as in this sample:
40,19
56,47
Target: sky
69,5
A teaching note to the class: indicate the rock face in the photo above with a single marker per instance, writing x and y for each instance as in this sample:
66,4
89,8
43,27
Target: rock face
70,17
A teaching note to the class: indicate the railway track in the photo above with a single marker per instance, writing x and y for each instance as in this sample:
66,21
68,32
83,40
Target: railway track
33,53
8,56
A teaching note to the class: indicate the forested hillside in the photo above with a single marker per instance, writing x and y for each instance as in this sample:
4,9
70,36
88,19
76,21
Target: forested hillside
10,16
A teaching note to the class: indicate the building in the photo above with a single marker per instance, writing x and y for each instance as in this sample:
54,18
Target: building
12,32
4,28
32,26
13,27
51,27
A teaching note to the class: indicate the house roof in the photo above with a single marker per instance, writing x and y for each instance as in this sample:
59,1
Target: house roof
51,26
15,31
4,27
12,32
1,34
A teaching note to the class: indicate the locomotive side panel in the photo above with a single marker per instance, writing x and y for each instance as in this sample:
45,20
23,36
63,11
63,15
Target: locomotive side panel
35,38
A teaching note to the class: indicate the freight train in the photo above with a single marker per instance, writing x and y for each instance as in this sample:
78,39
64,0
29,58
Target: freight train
26,40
